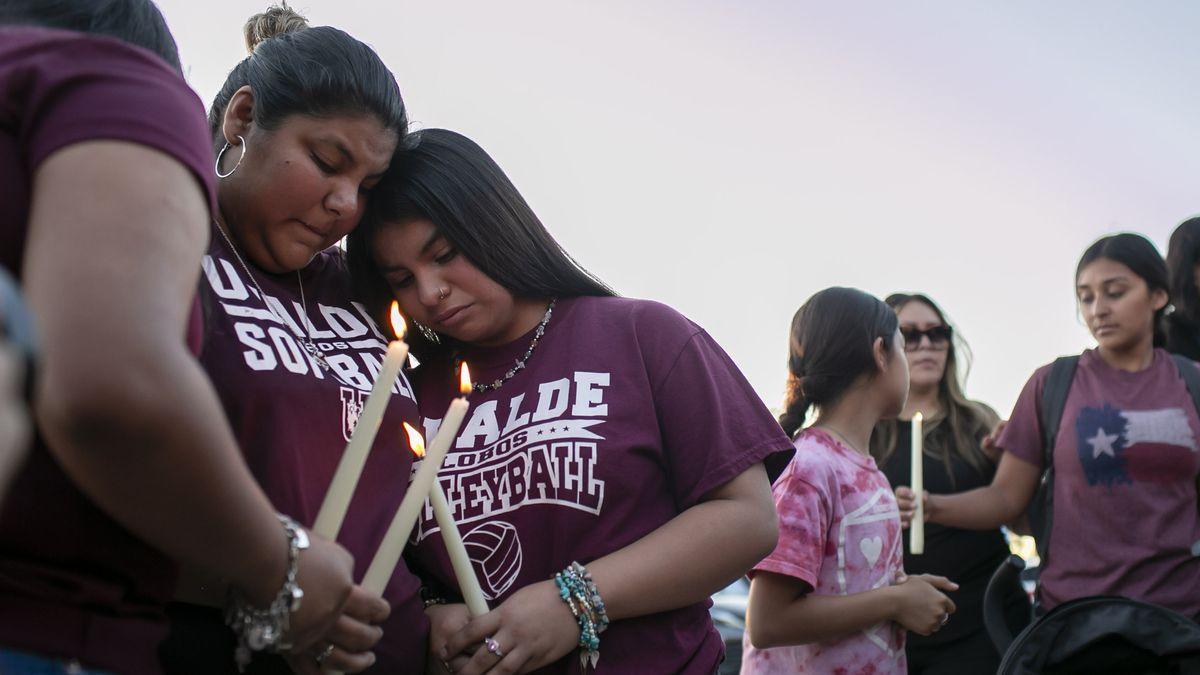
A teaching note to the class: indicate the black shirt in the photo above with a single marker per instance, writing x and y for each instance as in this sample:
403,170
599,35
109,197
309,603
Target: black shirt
966,557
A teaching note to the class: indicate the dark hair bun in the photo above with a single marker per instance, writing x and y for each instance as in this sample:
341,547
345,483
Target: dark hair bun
277,20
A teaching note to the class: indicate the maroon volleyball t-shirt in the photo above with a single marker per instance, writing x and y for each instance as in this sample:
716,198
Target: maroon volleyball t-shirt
292,418
73,582
626,415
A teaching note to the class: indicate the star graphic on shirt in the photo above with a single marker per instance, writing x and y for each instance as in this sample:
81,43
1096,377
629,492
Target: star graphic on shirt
1102,443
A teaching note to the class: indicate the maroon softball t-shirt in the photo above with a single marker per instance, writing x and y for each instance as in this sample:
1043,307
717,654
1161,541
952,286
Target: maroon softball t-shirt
293,419
626,415
73,582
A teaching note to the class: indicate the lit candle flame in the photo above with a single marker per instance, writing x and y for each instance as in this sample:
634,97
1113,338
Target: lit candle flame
414,440
464,379
399,327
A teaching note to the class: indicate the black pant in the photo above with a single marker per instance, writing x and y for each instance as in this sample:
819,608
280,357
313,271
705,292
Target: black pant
971,654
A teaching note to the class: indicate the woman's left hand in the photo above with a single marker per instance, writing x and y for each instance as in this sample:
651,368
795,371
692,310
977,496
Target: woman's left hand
531,629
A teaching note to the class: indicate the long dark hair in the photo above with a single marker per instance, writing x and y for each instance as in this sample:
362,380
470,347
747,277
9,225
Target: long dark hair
961,425
830,346
138,22
446,178
1140,256
321,71
1183,253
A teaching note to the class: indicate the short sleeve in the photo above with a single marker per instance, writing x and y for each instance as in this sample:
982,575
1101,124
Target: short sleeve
805,515
713,424
1022,435
67,90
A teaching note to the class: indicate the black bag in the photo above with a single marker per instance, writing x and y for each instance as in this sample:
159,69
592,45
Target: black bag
1101,635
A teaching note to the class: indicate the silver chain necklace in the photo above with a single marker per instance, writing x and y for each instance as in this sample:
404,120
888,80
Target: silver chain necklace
520,363
305,340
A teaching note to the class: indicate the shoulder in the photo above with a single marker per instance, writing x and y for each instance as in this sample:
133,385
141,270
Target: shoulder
67,55
651,328
63,88
983,414
632,312
816,462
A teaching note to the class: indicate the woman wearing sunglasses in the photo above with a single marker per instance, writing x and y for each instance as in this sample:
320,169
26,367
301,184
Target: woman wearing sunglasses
956,458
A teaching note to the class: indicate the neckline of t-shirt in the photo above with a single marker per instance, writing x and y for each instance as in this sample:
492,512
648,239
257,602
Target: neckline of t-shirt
483,358
833,442
1091,359
285,281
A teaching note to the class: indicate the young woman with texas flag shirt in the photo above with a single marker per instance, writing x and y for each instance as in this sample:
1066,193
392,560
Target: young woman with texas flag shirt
627,440
1126,456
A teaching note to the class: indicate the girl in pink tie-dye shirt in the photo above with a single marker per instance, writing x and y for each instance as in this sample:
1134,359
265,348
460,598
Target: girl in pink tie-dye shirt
833,597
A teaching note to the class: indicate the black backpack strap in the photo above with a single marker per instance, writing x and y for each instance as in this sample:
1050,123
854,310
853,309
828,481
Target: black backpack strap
1191,378
1050,412
1190,373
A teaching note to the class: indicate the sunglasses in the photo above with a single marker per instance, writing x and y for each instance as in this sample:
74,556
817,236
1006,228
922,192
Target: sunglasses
939,337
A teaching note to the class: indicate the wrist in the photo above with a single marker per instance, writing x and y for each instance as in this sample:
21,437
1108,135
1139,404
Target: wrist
265,628
262,575
892,601
933,505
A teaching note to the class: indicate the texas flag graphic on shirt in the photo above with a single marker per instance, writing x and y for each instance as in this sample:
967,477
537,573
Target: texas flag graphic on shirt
1122,446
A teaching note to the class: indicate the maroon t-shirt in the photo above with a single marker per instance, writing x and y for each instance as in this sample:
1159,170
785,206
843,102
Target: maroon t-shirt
73,582
1126,460
293,419
626,415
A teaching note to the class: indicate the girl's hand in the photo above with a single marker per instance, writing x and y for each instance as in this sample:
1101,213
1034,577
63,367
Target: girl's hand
444,622
922,607
532,628
906,502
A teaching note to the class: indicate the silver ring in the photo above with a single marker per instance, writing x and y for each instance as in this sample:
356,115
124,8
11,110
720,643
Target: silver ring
493,647
945,620
323,654
449,668
443,293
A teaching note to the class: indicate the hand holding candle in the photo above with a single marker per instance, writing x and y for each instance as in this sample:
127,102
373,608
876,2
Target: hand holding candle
388,556
916,529
345,479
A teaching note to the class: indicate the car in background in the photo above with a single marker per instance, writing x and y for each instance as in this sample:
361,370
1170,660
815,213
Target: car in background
728,613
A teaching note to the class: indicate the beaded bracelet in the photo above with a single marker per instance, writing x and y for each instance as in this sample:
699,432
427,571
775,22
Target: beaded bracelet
579,592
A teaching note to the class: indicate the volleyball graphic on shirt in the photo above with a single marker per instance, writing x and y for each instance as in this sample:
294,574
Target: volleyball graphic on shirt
495,551
1118,447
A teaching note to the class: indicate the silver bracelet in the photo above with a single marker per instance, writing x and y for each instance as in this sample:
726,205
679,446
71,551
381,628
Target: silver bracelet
263,629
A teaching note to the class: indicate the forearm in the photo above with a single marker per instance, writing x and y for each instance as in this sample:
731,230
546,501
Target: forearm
151,447
985,508
820,618
110,270
683,562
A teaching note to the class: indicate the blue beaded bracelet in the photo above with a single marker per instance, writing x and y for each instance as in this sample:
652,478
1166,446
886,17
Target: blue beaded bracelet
579,592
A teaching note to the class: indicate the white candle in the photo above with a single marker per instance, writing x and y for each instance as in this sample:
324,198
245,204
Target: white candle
916,529
345,479
468,583
388,556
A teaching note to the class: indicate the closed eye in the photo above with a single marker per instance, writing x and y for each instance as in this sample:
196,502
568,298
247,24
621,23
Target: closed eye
324,166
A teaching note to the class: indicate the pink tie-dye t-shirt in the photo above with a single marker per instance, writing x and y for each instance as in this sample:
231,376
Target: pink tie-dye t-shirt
839,532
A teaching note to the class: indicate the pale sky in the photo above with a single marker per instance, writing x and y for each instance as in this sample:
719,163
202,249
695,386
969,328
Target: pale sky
731,159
